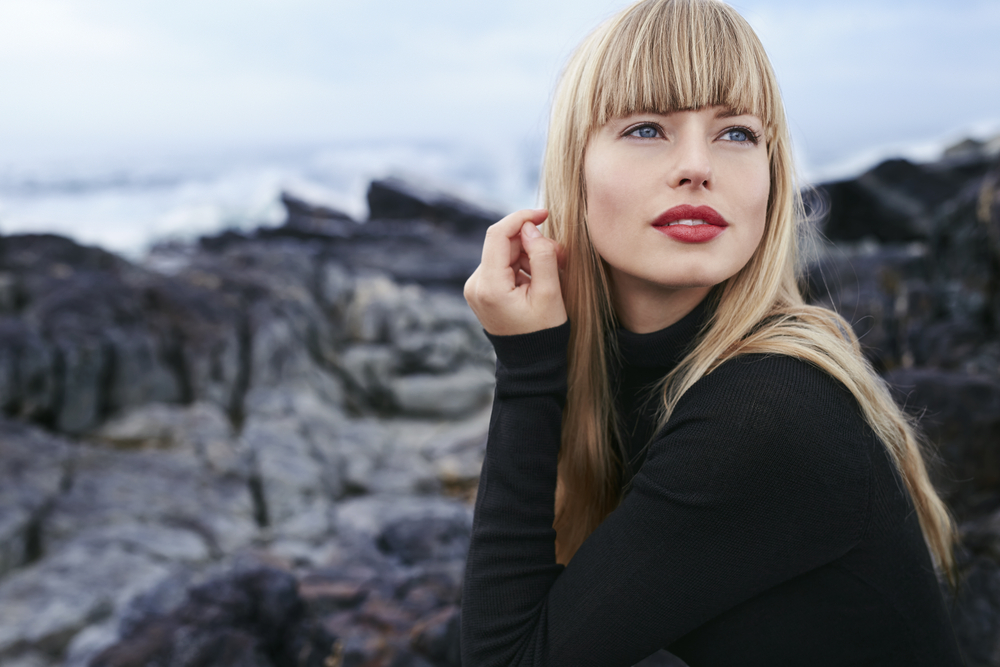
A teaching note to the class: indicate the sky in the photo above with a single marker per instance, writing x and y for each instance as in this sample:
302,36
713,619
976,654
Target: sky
137,79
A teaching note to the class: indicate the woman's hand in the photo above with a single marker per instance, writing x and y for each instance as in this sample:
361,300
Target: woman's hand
515,289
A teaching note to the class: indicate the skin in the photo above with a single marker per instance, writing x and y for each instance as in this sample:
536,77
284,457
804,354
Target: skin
636,168
639,166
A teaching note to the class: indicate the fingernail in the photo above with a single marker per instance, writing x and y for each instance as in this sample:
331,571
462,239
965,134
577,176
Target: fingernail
530,231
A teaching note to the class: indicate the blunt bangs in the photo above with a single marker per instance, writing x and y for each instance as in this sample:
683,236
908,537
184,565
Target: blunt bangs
661,57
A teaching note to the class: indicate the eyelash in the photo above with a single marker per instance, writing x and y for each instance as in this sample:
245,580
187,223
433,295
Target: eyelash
752,137
632,130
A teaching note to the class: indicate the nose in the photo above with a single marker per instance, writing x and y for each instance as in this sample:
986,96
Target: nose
692,164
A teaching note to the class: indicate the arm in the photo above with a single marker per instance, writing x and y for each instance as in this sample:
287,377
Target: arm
749,485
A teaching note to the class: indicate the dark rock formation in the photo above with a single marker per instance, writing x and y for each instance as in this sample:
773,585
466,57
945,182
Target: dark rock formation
897,200
246,618
395,199
299,209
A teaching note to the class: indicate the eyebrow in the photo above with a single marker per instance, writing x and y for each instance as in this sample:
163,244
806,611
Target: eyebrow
730,113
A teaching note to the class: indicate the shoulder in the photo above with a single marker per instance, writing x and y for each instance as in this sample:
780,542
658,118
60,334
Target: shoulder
781,417
774,441
773,391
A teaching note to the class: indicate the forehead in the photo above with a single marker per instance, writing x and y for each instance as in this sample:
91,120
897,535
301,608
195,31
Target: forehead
667,57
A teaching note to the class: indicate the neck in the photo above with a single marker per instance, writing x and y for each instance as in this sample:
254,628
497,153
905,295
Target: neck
644,308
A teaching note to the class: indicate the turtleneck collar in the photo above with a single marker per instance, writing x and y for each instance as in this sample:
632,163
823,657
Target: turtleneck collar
644,360
665,348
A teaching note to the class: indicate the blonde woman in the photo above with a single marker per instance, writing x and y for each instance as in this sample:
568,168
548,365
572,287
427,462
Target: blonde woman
682,453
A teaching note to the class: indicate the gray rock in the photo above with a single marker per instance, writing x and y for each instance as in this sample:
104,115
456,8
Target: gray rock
43,607
213,364
140,373
90,641
200,428
369,516
369,370
34,467
112,350
210,330
162,543
27,371
452,395
457,452
434,351
85,363
302,447
296,480
377,302
309,456
29,658
362,446
290,343
336,289
162,489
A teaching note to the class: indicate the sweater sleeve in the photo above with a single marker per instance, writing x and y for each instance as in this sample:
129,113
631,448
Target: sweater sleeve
758,477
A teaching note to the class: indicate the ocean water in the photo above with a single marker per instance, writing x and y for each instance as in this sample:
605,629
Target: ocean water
128,203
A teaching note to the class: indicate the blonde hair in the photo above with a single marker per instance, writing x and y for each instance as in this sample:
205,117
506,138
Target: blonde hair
662,56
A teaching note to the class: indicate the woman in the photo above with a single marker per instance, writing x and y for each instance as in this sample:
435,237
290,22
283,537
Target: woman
682,453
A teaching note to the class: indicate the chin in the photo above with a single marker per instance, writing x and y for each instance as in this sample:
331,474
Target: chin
699,280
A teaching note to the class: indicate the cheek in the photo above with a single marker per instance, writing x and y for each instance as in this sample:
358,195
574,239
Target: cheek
613,190
602,204
756,196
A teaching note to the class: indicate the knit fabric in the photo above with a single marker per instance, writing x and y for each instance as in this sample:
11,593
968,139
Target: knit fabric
763,525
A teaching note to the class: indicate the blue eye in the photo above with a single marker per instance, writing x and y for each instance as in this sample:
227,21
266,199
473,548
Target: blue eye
645,132
740,135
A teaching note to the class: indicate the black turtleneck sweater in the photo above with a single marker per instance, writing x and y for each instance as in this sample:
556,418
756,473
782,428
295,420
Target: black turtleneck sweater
764,525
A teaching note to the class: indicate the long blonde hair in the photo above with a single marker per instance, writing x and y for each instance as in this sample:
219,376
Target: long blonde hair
662,56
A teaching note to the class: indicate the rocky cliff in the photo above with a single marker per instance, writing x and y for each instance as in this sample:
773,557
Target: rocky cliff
260,448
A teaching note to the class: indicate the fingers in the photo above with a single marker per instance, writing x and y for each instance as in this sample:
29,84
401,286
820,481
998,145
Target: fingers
498,253
522,264
516,251
516,287
543,262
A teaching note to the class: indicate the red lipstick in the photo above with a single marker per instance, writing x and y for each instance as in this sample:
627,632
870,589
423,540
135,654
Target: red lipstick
691,224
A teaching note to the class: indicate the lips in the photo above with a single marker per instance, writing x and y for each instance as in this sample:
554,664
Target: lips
691,224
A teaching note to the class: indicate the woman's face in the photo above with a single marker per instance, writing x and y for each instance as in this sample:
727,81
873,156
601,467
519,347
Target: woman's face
676,202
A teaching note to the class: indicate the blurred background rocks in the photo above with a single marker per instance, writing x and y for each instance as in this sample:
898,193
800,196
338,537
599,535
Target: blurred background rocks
261,448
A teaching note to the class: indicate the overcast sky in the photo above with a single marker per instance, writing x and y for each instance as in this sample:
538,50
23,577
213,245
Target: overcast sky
103,77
